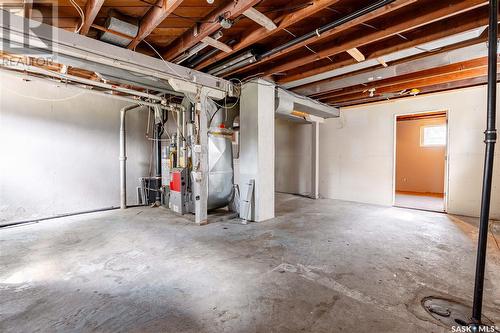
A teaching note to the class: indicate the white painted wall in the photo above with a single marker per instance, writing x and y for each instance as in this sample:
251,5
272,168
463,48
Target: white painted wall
62,156
357,150
293,157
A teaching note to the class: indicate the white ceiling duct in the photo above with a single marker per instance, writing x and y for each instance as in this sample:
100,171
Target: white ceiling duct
288,102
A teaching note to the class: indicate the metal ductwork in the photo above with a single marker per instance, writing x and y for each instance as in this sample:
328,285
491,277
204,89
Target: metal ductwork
220,155
196,59
289,104
249,56
195,49
115,24
220,168
235,63
327,27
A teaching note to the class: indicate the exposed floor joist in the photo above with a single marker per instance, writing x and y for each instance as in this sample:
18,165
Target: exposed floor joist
284,22
429,33
92,8
153,18
317,38
410,21
211,24
455,72
27,7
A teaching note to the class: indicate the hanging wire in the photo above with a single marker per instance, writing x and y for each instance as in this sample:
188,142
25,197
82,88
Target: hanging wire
80,12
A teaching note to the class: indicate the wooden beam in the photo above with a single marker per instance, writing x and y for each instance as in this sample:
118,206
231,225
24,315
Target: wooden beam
111,31
92,8
27,7
211,25
284,22
398,4
431,15
480,80
215,43
419,83
321,88
154,16
259,18
443,30
411,77
356,54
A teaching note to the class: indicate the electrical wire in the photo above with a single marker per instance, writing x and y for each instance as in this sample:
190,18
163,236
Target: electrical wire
45,99
80,12
225,98
166,63
179,76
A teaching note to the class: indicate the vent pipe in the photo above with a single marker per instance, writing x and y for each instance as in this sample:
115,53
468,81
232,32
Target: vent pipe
327,27
490,138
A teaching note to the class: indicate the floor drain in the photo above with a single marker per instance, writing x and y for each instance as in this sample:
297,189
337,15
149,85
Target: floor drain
451,313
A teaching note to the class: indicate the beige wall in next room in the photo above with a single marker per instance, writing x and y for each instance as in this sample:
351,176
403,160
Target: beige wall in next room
418,168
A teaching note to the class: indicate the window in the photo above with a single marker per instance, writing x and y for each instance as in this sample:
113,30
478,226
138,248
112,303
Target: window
434,135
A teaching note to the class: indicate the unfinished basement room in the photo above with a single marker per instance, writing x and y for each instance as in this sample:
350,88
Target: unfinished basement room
249,166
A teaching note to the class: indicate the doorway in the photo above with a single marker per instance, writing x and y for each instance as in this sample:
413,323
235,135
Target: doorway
420,161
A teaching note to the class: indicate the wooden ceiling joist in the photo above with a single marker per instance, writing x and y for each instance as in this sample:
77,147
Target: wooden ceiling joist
27,7
418,84
444,29
92,8
398,4
408,78
153,18
480,80
431,15
211,24
284,22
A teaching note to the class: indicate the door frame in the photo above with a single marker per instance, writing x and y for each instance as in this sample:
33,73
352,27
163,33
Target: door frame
447,152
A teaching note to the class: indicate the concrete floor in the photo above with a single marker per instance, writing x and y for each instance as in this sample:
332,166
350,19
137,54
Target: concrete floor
320,266
426,201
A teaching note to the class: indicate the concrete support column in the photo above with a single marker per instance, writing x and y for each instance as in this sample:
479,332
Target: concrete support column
315,160
257,113
200,159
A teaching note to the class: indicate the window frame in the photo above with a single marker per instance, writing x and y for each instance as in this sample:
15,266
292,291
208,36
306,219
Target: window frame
422,136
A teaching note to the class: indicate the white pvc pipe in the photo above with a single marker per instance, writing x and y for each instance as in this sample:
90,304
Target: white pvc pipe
123,156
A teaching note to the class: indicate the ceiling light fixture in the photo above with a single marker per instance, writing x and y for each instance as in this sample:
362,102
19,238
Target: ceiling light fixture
225,22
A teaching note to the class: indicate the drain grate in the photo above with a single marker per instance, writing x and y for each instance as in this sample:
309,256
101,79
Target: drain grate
454,314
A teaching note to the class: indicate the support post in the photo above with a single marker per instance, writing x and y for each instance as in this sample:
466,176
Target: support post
315,160
200,160
257,114
490,139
